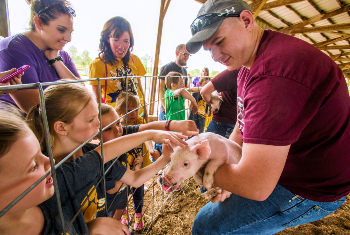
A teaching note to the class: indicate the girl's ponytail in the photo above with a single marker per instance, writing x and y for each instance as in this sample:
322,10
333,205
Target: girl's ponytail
35,123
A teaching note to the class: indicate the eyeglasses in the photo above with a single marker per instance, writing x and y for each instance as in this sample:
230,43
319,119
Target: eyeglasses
204,20
69,9
185,54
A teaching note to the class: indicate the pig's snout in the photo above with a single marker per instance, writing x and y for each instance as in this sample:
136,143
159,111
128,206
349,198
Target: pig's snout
165,181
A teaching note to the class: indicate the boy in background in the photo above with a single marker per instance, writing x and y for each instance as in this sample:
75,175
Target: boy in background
174,97
200,117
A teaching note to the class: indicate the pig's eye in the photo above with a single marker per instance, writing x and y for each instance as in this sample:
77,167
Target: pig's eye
186,164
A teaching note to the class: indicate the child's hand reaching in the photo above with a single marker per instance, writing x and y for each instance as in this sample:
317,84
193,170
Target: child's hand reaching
194,107
167,151
137,162
186,127
154,154
165,137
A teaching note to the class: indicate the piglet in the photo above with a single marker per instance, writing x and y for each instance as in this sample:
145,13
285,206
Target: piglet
200,159
215,100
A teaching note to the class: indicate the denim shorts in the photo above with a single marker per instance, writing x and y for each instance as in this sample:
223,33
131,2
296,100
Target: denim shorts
238,215
220,128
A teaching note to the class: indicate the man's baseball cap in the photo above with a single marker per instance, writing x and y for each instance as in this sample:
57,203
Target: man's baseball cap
209,19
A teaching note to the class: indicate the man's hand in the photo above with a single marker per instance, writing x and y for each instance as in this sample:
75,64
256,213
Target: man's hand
194,107
221,196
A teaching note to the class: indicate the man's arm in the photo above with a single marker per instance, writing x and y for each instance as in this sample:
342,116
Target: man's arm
236,135
257,173
206,92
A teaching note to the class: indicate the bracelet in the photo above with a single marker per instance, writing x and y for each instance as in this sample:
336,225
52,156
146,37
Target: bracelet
58,58
167,123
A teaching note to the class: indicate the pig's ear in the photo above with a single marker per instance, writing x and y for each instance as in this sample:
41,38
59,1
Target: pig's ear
202,150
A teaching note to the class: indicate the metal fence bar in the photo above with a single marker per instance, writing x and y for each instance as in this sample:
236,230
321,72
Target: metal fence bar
48,145
101,141
46,128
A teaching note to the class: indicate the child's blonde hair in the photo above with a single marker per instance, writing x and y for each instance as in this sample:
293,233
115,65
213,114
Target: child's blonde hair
202,79
106,109
12,127
120,103
172,77
63,103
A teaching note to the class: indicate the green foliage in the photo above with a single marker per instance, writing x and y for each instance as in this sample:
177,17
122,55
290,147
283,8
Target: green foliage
214,73
195,73
82,61
147,62
86,59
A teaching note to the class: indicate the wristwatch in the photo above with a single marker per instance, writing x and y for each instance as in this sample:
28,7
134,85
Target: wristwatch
58,58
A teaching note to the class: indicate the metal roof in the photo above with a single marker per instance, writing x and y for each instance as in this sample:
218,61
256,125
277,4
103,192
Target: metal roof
323,23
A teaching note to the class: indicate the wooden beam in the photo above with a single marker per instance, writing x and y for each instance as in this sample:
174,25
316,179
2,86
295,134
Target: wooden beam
343,59
342,65
4,19
256,13
317,18
319,29
336,56
337,47
254,5
166,6
331,41
267,23
201,1
279,3
337,33
156,56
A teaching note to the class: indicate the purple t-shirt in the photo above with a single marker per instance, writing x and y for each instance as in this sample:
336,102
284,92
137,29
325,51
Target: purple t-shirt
18,50
195,82
226,83
296,95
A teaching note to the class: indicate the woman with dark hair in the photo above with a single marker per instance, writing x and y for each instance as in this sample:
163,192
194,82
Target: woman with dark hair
116,60
51,27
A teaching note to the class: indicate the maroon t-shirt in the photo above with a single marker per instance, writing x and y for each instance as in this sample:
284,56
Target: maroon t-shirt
226,83
296,95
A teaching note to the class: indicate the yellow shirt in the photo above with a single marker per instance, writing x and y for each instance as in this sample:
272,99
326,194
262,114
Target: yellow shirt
142,149
97,69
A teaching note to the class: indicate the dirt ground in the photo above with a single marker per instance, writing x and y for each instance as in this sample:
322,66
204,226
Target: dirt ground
174,213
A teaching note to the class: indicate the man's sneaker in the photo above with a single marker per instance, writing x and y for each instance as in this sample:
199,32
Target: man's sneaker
138,221
125,218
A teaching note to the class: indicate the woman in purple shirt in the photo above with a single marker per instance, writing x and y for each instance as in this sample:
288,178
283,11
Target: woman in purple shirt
51,28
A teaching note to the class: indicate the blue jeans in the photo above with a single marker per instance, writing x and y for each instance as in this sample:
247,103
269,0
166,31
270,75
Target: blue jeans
158,146
220,128
199,120
138,194
238,215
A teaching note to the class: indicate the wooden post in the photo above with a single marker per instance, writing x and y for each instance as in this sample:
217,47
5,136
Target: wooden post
256,13
163,8
4,19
